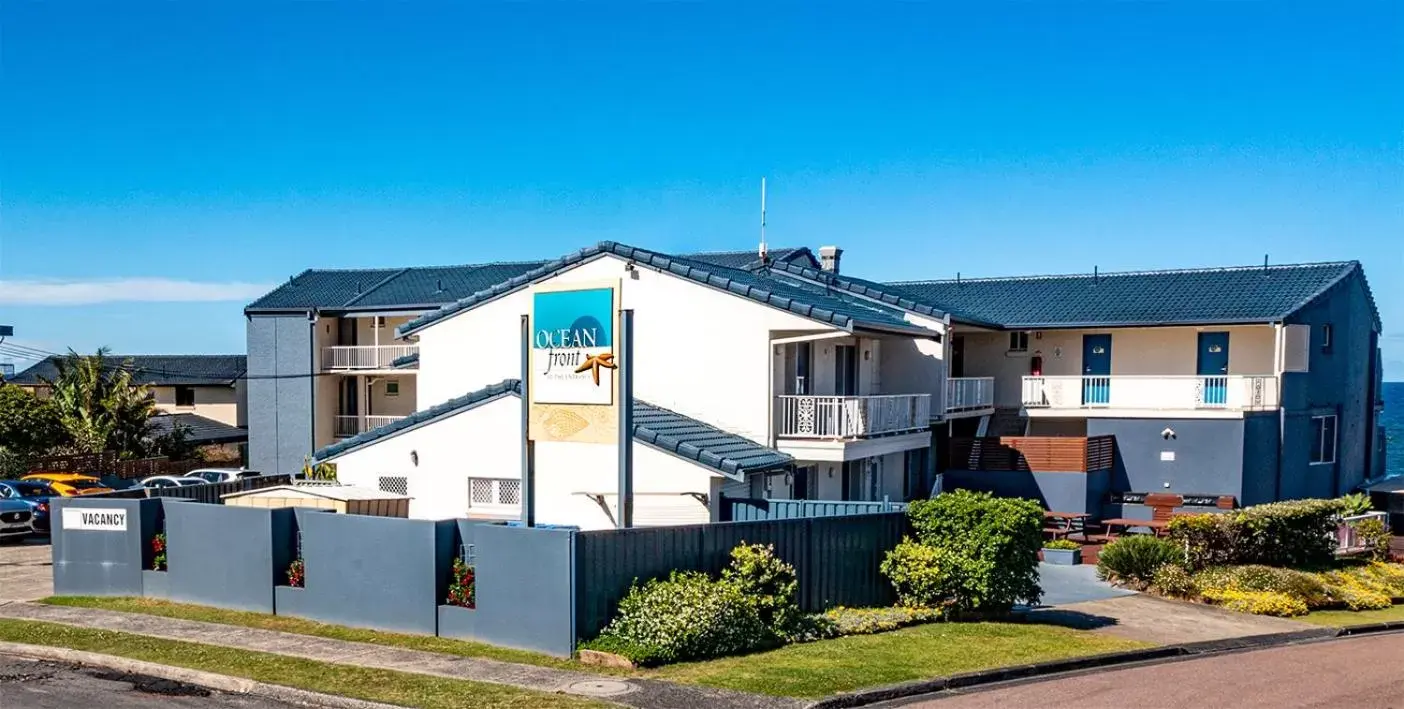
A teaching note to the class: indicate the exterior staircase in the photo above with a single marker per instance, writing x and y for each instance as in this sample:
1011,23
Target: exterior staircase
1006,422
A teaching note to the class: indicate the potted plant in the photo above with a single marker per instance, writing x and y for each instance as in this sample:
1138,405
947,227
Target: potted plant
1062,552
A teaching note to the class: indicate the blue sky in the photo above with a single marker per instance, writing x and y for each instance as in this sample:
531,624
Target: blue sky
162,163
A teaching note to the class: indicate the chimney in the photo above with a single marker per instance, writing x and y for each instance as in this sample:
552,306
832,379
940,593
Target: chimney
829,258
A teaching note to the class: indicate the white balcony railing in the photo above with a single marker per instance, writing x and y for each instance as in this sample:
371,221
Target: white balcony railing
851,416
347,426
969,394
1223,392
343,357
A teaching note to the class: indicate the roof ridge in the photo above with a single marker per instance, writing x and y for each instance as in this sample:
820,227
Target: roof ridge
352,269
1145,272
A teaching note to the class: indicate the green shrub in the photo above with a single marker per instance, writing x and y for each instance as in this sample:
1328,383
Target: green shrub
1175,581
686,616
1066,544
1375,537
1293,533
1001,536
926,576
1357,503
768,583
1134,559
1207,540
1257,602
866,621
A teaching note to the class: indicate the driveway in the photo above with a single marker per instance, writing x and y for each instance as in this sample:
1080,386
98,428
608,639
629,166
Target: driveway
26,570
1361,673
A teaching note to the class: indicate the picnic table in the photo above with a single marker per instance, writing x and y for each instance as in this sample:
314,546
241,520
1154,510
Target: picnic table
1157,527
1062,524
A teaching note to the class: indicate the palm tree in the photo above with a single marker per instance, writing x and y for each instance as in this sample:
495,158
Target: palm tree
99,405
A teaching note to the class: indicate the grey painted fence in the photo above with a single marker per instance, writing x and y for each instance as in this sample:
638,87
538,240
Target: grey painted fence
229,557
745,509
103,562
836,559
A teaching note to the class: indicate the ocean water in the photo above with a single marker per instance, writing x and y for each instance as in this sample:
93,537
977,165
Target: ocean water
1393,420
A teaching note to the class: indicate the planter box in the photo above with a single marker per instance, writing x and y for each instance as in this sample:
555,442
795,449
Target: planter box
288,600
458,622
1063,557
155,584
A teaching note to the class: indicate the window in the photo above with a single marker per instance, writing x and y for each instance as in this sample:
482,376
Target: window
185,396
1019,341
1323,440
392,388
494,492
846,370
1326,337
379,322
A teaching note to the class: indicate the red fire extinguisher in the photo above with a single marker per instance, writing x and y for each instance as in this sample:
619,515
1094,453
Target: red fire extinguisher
1036,364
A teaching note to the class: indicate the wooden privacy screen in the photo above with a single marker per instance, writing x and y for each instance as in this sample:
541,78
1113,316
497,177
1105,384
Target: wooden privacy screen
1038,454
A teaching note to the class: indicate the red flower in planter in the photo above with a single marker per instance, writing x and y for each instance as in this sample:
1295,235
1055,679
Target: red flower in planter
463,585
158,549
295,573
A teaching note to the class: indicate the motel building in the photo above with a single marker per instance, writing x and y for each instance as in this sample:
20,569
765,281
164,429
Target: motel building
789,380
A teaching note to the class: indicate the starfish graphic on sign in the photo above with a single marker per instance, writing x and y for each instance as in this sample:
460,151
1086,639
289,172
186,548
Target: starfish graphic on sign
593,365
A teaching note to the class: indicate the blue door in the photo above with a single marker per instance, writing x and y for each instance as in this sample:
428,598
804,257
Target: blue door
1213,367
1096,370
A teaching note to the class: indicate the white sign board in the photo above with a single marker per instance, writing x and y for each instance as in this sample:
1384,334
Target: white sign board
94,519
1167,455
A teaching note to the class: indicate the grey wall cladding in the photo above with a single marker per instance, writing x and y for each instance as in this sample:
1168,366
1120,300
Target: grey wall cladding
1061,492
280,392
103,563
1208,455
375,572
229,557
526,588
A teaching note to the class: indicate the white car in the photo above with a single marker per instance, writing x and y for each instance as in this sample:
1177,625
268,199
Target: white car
222,475
16,519
172,481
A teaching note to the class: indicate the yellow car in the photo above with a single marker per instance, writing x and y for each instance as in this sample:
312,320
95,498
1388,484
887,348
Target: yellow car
70,484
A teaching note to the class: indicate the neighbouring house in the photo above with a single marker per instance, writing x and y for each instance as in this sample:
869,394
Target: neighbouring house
196,388
751,379
1260,383
325,363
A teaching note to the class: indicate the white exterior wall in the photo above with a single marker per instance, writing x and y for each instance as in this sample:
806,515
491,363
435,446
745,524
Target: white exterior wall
701,352
917,365
485,442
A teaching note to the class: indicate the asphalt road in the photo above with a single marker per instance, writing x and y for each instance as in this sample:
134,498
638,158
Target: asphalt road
1360,673
26,684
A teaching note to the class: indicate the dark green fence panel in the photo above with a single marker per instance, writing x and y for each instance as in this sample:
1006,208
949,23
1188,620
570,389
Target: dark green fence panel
836,559
747,509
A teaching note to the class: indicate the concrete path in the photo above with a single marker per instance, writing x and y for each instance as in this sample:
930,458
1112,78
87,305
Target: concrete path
647,694
26,570
1361,673
1163,622
1063,585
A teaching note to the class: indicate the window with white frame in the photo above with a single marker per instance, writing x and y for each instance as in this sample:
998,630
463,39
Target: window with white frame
494,492
1327,336
1323,439
392,388
1019,341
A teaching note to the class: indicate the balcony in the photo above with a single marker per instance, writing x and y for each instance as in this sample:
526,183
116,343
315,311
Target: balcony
969,396
364,357
852,417
1120,393
347,426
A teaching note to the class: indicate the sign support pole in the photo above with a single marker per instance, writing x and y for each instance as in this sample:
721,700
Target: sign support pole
528,490
626,419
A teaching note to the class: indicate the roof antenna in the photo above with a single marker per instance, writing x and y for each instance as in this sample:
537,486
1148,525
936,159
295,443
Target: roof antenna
1265,264
764,254
1096,275
438,285
957,277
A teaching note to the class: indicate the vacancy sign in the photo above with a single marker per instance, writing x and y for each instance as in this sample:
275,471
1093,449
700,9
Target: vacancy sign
94,519
573,363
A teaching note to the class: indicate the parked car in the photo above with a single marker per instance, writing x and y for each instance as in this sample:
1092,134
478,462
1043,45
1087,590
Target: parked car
69,484
172,481
223,475
15,520
32,493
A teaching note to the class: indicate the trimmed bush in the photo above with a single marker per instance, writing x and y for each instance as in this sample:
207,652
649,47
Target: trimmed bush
1257,602
1296,533
1207,540
687,616
1175,581
1133,560
768,583
927,576
1001,536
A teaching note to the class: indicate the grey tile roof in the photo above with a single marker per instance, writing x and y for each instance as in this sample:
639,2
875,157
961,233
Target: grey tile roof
1191,296
770,287
668,431
423,287
154,370
409,361
202,431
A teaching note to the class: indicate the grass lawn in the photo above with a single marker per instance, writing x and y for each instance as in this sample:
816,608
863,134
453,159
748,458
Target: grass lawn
806,670
921,652
1344,618
400,688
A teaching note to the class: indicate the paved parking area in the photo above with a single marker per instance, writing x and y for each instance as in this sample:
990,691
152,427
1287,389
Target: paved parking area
26,570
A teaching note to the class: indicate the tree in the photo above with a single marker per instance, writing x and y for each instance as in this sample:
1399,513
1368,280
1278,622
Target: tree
99,406
28,425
